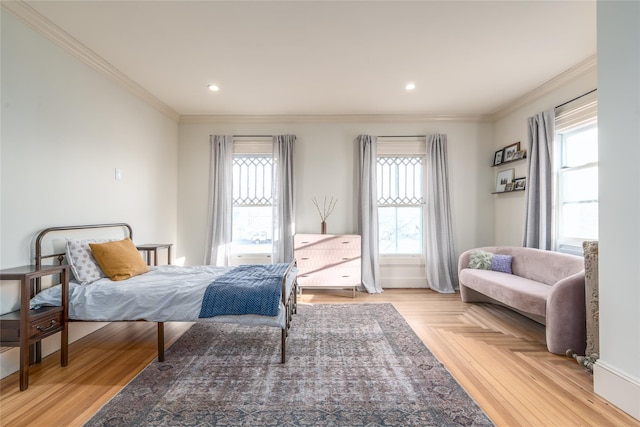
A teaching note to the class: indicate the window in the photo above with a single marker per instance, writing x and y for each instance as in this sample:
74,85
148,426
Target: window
576,210
400,198
252,200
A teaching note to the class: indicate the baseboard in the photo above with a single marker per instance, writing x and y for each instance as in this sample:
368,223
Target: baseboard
622,391
402,283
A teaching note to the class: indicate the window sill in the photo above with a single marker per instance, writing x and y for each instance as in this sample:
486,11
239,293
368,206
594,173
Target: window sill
401,260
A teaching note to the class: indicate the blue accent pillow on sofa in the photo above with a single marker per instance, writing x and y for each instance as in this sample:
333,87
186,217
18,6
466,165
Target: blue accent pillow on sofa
501,263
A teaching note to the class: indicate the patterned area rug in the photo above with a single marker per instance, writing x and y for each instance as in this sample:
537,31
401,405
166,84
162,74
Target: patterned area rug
347,365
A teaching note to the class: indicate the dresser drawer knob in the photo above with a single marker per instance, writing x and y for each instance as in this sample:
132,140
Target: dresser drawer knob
52,325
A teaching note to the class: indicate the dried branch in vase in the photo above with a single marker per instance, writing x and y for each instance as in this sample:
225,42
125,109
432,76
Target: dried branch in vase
326,208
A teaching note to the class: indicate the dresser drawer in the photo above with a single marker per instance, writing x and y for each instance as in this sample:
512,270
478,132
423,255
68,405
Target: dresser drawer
312,268
326,241
328,257
335,276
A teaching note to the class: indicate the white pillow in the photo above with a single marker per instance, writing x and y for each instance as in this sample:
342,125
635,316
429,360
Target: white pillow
83,265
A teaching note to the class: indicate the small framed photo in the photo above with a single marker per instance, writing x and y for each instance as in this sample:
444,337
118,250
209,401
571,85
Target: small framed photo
504,177
519,184
509,187
509,151
497,158
519,155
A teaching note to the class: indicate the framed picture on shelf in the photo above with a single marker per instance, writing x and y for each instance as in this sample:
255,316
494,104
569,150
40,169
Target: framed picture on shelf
509,152
519,184
509,186
504,178
497,158
519,155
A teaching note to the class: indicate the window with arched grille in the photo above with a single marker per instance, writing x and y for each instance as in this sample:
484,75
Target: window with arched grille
252,199
400,190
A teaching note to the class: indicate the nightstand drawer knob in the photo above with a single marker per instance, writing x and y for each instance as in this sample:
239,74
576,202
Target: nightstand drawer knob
53,324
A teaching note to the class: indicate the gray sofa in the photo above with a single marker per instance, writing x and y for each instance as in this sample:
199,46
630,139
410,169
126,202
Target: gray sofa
546,286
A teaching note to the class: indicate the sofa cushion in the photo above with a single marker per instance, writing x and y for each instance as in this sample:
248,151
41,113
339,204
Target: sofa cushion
517,292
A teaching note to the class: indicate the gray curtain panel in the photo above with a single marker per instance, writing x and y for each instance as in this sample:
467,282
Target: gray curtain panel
441,261
220,201
368,212
539,190
283,198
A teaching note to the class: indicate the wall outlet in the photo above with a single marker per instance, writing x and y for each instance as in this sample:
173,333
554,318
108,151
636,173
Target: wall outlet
118,174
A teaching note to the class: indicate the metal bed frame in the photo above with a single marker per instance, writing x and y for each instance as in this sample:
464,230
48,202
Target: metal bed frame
289,301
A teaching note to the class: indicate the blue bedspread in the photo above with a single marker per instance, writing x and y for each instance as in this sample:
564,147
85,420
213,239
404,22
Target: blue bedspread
247,289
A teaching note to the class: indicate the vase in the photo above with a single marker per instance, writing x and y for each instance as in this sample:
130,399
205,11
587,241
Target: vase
323,227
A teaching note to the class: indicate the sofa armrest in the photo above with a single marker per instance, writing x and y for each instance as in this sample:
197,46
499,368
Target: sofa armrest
566,315
463,260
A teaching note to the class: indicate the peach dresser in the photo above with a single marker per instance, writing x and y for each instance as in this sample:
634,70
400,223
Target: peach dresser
328,261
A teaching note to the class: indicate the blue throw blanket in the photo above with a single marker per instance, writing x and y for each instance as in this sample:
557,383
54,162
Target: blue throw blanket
247,289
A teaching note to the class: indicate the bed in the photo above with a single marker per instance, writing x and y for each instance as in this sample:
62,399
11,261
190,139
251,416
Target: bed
166,293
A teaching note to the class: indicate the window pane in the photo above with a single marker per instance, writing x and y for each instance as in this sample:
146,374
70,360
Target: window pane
579,185
399,180
400,230
580,221
252,179
580,146
251,229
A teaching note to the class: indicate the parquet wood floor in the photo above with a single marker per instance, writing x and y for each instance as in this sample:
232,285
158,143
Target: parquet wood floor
498,356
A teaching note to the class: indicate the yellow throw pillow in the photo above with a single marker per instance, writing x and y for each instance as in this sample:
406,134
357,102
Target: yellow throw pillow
119,260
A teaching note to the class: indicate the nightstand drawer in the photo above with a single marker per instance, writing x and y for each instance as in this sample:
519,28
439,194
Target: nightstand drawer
43,322
46,325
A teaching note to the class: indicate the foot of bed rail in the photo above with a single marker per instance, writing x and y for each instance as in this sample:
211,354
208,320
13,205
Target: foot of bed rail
160,341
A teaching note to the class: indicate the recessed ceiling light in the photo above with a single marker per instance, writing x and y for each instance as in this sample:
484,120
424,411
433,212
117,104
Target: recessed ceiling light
214,88
410,86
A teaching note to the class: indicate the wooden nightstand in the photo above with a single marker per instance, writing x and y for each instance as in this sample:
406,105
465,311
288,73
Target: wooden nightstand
152,248
25,327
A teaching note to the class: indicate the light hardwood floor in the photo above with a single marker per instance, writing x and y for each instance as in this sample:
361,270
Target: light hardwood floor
498,356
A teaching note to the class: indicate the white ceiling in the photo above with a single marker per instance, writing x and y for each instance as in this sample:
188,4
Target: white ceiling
333,57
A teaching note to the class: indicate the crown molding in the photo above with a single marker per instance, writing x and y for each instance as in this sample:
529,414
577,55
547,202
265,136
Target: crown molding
37,22
58,36
333,118
588,65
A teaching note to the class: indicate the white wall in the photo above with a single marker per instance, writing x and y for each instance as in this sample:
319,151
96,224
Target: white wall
326,164
617,372
510,208
65,129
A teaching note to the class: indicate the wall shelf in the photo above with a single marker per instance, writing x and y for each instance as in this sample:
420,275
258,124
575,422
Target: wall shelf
508,162
506,192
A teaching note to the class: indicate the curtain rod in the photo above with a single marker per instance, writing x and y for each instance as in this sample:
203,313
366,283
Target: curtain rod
252,136
576,98
402,136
